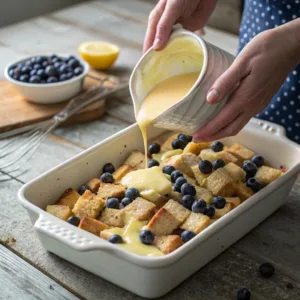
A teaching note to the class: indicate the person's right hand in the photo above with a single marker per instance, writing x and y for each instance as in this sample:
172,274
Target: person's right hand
191,14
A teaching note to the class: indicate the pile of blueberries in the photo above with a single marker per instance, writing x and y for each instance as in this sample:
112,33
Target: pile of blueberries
46,69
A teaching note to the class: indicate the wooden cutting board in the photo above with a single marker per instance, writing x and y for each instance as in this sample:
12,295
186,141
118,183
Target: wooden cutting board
16,112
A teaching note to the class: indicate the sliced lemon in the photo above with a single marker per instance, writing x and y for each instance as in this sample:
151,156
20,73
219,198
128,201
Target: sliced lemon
99,55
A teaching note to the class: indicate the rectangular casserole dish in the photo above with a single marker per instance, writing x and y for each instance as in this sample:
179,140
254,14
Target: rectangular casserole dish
152,277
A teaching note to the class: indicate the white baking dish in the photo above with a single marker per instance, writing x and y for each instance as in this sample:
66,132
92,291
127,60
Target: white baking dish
149,276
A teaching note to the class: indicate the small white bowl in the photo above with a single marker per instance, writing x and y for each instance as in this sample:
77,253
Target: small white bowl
48,93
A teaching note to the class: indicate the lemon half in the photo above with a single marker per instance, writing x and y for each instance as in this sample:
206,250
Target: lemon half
99,55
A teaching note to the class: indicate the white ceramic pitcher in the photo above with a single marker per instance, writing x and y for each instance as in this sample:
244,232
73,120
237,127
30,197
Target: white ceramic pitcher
185,52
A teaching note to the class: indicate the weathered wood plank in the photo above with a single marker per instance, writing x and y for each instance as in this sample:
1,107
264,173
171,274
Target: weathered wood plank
20,280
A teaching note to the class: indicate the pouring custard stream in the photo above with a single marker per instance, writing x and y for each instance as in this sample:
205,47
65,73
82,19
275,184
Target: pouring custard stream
161,97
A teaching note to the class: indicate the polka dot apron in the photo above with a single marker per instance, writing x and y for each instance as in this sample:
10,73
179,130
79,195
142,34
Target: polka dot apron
260,15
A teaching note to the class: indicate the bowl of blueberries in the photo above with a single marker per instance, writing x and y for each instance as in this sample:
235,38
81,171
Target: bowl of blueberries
47,79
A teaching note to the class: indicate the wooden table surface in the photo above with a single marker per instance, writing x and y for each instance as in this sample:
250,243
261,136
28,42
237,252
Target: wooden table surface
27,271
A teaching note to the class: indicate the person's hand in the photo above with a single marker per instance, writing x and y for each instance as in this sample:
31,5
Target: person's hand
257,73
191,14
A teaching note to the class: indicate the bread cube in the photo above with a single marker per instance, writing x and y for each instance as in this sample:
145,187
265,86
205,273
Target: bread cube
168,243
211,221
266,175
236,172
241,152
60,211
69,198
140,209
112,217
200,177
229,157
136,160
196,222
163,223
196,148
88,205
121,172
242,191
223,211
110,190
177,210
170,153
154,197
106,234
91,225
175,196
167,145
202,193
235,201
210,155
220,183
94,184
190,179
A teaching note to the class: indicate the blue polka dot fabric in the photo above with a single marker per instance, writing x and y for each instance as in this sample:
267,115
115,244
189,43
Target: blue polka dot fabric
261,15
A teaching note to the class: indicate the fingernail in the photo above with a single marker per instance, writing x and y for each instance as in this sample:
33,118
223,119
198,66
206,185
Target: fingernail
156,43
212,96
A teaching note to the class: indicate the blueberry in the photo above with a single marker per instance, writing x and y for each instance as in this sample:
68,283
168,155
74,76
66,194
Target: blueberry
217,146
188,189
243,294
112,203
199,206
32,60
39,59
250,168
74,221
185,138
37,66
258,160
187,201
154,148
266,270
51,71
57,65
187,235
24,78
63,69
180,181
73,63
55,60
178,144
43,81
33,72
254,185
11,72
63,77
83,188
53,56
41,73
175,174
70,75
26,70
209,211
69,58
78,71
132,193
115,239
153,163
52,79
28,63
17,71
107,178
35,79
45,64
147,237
205,166
168,169
219,202
108,168
125,201
218,163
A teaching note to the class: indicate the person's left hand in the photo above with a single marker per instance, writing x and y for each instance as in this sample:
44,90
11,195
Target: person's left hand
257,73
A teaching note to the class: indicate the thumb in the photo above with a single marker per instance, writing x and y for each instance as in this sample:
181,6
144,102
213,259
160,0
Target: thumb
227,82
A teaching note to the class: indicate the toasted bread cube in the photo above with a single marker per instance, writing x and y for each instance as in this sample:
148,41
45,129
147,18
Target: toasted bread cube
170,153
210,155
220,183
196,148
140,209
163,223
242,191
154,197
136,160
167,145
229,157
196,222
106,234
121,172
235,201
236,172
223,211
60,211
112,217
177,210
69,198
110,190
91,225
204,194
200,177
175,195
168,243
266,175
241,152
88,205
94,184
211,221
190,179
